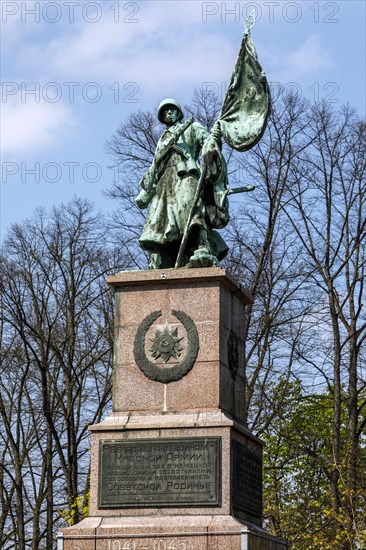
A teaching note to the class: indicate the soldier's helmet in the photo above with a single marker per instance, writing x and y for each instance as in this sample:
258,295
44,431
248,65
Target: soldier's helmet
165,103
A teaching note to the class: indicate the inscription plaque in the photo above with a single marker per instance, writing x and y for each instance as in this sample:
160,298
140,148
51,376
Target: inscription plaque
160,472
247,480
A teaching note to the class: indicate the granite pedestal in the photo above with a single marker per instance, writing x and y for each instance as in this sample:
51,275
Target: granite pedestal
174,466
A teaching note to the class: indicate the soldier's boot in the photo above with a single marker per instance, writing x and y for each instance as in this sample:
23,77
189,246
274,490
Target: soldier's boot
155,260
202,256
203,244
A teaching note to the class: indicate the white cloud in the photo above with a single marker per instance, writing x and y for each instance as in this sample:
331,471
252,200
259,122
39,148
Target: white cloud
168,52
166,48
307,60
29,127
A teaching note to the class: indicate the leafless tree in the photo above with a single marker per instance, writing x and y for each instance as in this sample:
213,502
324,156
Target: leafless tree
327,210
56,348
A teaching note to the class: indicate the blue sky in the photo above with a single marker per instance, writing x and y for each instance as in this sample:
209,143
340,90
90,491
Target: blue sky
73,70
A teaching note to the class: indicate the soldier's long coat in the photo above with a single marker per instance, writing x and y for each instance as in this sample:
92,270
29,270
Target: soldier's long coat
173,196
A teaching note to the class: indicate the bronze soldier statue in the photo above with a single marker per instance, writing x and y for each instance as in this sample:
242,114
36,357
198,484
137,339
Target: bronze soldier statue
188,200
169,188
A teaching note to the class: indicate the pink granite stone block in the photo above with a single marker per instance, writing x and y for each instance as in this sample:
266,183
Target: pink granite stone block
227,394
81,536
138,302
133,391
239,398
214,309
207,402
199,389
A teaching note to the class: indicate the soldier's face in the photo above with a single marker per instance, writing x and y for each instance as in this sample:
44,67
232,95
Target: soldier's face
170,115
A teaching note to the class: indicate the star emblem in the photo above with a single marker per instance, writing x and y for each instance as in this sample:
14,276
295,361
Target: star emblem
166,344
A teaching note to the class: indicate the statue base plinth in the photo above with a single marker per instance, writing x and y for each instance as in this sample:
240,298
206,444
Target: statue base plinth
174,467
167,533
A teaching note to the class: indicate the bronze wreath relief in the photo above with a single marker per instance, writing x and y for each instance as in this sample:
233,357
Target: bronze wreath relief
166,344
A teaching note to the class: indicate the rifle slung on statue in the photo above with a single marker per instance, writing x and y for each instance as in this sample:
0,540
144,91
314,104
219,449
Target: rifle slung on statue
167,147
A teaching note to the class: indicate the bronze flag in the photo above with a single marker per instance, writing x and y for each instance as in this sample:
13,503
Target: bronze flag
247,103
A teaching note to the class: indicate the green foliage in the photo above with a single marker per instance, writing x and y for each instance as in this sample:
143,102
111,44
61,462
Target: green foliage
79,509
298,464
